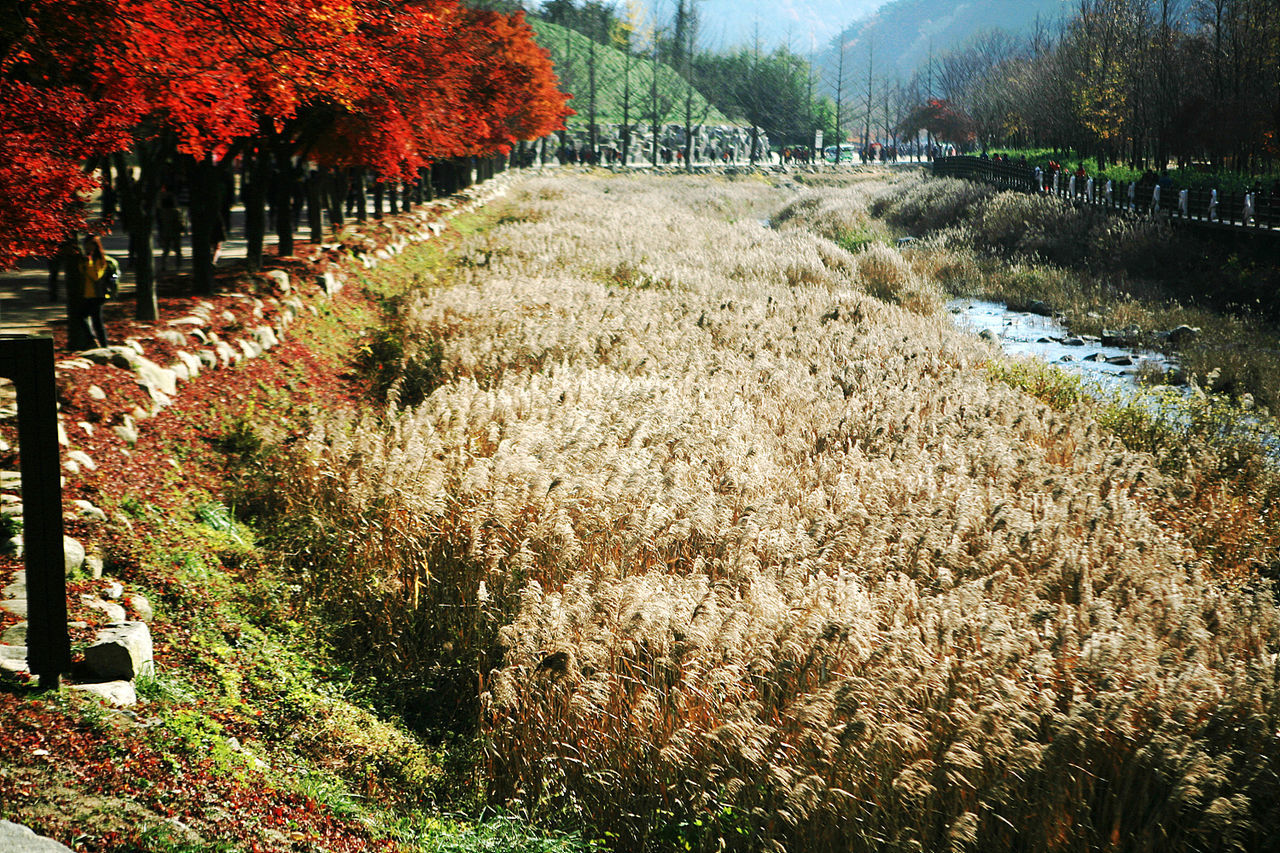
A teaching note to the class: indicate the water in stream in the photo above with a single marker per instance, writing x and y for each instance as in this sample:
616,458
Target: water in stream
1021,333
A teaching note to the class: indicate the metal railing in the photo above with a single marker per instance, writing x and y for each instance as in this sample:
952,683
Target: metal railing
1254,211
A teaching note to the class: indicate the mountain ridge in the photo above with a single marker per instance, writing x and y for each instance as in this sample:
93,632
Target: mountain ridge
902,34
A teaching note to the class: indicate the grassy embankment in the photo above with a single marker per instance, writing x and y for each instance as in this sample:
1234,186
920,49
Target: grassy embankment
252,734
721,537
571,53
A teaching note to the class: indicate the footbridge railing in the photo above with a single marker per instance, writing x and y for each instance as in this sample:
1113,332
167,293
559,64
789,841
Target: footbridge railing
1248,211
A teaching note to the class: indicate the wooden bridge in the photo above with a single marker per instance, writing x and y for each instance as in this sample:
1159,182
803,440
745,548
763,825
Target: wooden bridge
1239,212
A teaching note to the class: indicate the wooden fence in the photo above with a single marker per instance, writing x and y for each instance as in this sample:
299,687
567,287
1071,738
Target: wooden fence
1240,211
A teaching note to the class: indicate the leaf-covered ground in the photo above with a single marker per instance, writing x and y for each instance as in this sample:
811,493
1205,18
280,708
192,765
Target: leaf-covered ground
249,736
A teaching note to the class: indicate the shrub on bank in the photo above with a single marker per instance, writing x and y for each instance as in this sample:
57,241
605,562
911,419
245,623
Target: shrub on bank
920,205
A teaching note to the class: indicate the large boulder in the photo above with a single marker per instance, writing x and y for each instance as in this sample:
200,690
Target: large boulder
123,651
16,838
1182,335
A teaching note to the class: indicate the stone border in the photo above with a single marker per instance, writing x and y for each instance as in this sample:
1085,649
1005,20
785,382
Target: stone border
191,345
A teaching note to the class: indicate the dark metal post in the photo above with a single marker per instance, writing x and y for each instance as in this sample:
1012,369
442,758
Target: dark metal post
28,361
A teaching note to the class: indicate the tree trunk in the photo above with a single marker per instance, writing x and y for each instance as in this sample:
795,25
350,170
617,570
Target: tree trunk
378,191
77,335
255,205
315,212
335,189
362,204
205,207
137,201
282,181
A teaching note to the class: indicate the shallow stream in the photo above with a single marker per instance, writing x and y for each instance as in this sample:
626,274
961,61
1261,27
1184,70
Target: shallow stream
1022,333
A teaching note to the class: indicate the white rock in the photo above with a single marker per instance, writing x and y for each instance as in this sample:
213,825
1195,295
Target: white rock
85,426
84,460
16,838
159,398
163,378
189,320
180,371
265,337
96,393
251,349
172,336
127,431
88,510
191,361
114,612
280,279
227,354
121,356
208,358
113,590
71,466
122,652
228,316
140,605
119,693
72,555
93,565
16,606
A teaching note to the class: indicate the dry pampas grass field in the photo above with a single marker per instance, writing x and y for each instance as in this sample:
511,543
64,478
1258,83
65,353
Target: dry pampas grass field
728,540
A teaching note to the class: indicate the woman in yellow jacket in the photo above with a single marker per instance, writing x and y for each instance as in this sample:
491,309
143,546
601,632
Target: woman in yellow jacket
98,270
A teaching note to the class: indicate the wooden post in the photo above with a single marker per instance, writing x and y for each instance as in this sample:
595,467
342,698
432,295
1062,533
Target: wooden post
28,362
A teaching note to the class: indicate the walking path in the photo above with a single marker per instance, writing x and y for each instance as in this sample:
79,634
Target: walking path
25,307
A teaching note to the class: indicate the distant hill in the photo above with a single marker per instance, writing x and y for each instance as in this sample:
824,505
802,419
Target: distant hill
570,51
903,32
801,25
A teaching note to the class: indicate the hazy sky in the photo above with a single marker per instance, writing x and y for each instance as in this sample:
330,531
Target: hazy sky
802,24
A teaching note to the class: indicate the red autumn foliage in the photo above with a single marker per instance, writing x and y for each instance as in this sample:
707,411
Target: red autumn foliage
43,135
945,121
351,83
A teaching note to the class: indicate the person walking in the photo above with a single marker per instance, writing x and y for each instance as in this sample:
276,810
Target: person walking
99,273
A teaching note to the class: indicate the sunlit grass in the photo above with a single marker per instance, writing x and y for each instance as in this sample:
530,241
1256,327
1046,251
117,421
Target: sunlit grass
723,538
